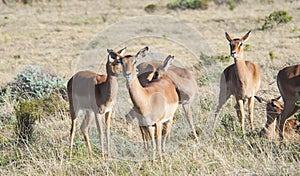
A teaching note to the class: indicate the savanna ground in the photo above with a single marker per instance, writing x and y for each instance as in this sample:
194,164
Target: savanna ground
71,35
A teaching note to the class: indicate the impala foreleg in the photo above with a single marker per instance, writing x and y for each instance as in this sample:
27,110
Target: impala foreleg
159,128
250,109
107,122
288,110
100,131
241,114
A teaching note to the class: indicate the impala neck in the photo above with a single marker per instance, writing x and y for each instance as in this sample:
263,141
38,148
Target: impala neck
241,69
137,92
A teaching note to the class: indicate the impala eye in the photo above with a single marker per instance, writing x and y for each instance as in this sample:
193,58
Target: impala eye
241,44
273,105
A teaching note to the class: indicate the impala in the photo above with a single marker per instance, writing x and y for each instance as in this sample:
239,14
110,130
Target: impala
155,103
95,95
241,79
185,85
288,81
273,108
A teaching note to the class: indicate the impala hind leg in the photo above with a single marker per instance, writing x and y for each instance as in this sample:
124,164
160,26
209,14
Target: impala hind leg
189,114
223,97
84,129
72,134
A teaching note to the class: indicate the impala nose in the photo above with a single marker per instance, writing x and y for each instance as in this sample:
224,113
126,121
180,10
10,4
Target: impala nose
128,76
233,54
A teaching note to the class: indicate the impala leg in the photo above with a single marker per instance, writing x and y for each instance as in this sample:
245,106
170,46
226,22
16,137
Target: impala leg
129,120
144,137
151,130
250,109
288,110
100,131
189,114
72,134
241,113
166,133
107,122
84,129
223,97
159,127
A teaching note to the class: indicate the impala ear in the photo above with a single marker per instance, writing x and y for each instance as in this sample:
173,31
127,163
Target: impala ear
167,62
111,55
246,36
261,100
228,37
142,53
122,51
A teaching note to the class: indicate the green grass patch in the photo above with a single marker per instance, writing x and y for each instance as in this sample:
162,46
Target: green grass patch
276,18
188,4
150,8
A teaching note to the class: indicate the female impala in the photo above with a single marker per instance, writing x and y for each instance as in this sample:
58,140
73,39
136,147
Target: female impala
156,102
288,81
95,94
185,85
241,79
274,107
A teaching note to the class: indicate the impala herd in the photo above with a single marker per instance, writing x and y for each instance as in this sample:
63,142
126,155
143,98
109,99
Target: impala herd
157,89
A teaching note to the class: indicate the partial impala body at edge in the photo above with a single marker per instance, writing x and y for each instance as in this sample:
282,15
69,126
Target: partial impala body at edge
94,95
155,103
288,81
274,108
241,79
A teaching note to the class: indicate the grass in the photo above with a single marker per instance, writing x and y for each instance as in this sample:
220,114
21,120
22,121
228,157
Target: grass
30,39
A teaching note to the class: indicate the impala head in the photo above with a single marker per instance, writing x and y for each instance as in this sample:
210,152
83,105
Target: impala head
236,45
129,63
161,70
113,64
273,106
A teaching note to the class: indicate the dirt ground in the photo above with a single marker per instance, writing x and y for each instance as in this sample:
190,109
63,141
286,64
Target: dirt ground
55,34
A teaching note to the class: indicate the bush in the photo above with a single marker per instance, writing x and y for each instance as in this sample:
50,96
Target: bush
29,111
188,4
35,82
275,18
150,8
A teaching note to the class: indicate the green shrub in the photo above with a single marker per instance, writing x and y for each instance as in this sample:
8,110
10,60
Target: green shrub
275,18
35,82
150,8
188,4
29,111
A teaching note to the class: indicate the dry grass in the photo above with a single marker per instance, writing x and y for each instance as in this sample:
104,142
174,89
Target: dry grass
68,36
